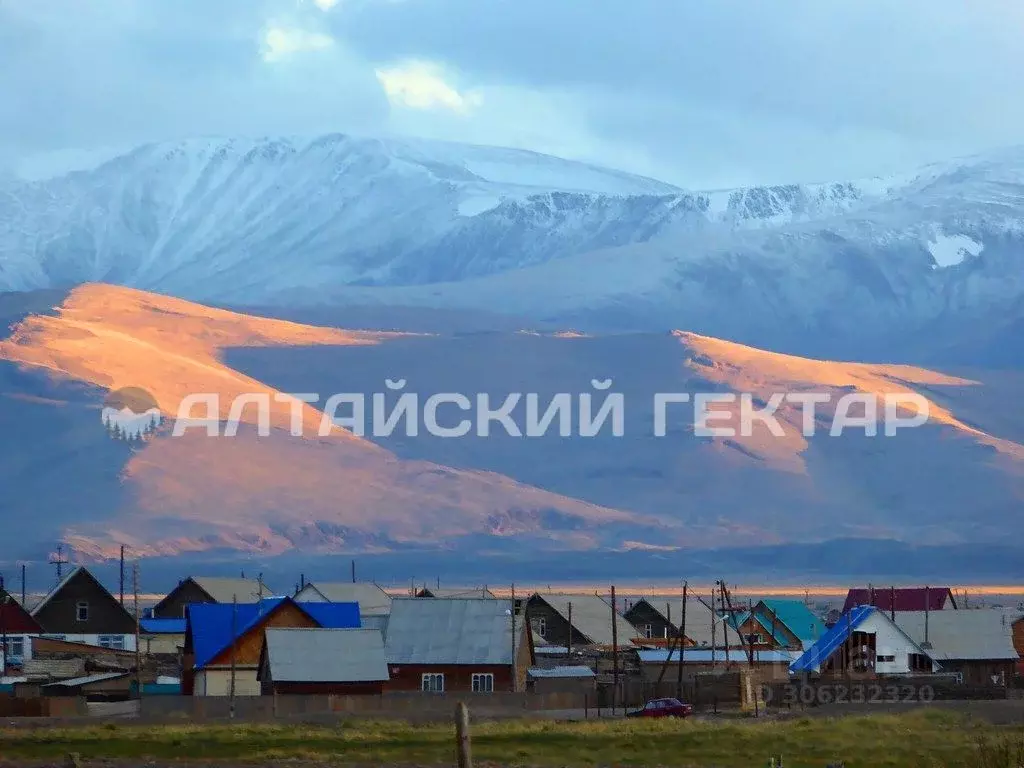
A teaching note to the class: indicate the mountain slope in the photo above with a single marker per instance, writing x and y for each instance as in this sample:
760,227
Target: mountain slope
195,493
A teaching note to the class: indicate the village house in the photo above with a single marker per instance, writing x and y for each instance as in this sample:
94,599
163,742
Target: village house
161,636
780,624
438,592
209,589
16,628
655,620
323,661
373,601
225,641
865,642
975,644
80,609
456,644
902,598
575,621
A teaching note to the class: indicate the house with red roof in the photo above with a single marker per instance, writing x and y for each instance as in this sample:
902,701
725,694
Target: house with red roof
16,627
900,599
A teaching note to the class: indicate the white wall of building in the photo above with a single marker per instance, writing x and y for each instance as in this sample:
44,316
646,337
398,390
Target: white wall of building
217,682
889,641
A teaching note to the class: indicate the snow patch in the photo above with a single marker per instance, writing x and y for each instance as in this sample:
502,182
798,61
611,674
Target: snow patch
950,250
474,206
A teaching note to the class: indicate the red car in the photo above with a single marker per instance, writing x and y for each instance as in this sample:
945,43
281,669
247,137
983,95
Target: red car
663,708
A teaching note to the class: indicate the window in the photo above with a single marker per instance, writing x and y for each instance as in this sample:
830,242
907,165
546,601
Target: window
483,683
112,641
15,649
648,631
755,638
433,683
542,627
82,611
885,659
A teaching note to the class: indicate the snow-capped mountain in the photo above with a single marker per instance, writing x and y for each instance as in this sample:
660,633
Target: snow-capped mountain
339,219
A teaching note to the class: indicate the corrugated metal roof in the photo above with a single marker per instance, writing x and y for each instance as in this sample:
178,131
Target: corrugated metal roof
376,621
562,672
210,623
224,590
591,616
372,599
450,631
794,614
460,592
699,621
326,655
706,656
900,598
77,681
162,626
962,634
818,654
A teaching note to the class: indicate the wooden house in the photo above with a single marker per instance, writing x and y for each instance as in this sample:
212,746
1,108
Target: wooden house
80,609
655,620
209,589
562,620
16,628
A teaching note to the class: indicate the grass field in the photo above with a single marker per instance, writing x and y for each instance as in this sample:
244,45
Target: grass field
915,739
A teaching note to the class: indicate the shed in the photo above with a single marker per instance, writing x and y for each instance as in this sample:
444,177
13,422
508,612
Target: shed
976,644
323,661
567,679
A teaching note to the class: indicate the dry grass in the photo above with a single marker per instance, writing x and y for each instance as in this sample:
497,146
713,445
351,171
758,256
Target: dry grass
918,740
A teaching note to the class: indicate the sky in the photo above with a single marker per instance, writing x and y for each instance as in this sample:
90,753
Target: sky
700,93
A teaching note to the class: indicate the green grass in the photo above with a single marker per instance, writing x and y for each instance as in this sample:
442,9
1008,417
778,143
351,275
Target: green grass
916,739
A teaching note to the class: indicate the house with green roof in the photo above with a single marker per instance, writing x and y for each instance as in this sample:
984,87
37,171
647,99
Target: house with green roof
780,624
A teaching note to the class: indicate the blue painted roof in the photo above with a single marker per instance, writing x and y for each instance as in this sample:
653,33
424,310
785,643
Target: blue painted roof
210,623
162,626
827,644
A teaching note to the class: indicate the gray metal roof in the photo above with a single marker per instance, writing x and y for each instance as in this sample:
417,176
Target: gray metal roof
372,599
77,681
562,672
224,590
591,615
975,633
450,631
378,621
325,655
445,593
699,621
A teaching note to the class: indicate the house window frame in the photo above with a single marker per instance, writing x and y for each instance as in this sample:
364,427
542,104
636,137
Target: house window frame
542,626
79,607
113,642
432,682
885,658
648,631
15,648
482,682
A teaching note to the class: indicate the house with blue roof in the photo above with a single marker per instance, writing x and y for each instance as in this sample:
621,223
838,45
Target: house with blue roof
224,641
778,624
865,641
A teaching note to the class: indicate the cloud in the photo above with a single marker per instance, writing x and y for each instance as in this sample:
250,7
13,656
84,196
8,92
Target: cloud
422,85
325,5
280,43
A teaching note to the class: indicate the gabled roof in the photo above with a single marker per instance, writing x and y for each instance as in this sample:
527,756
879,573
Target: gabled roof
372,599
451,631
325,655
447,593
699,621
819,653
162,626
966,634
795,615
209,625
75,573
591,617
906,598
14,618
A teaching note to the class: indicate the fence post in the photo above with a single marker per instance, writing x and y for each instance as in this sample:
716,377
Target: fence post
586,707
462,735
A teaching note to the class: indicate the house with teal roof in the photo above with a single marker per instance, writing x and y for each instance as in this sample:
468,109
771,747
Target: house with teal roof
780,624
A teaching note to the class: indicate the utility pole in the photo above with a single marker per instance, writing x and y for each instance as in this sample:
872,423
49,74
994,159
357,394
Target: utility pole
234,644
4,600
138,650
714,626
682,645
353,571
514,671
725,626
122,575
615,655
568,645
23,598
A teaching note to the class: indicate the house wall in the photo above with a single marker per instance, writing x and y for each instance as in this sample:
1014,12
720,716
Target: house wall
1018,637
888,641
26,648
752,626
164,644
409,677
981,671
106,615
641,614
557,629
216,681
309,594
248,647
173,606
